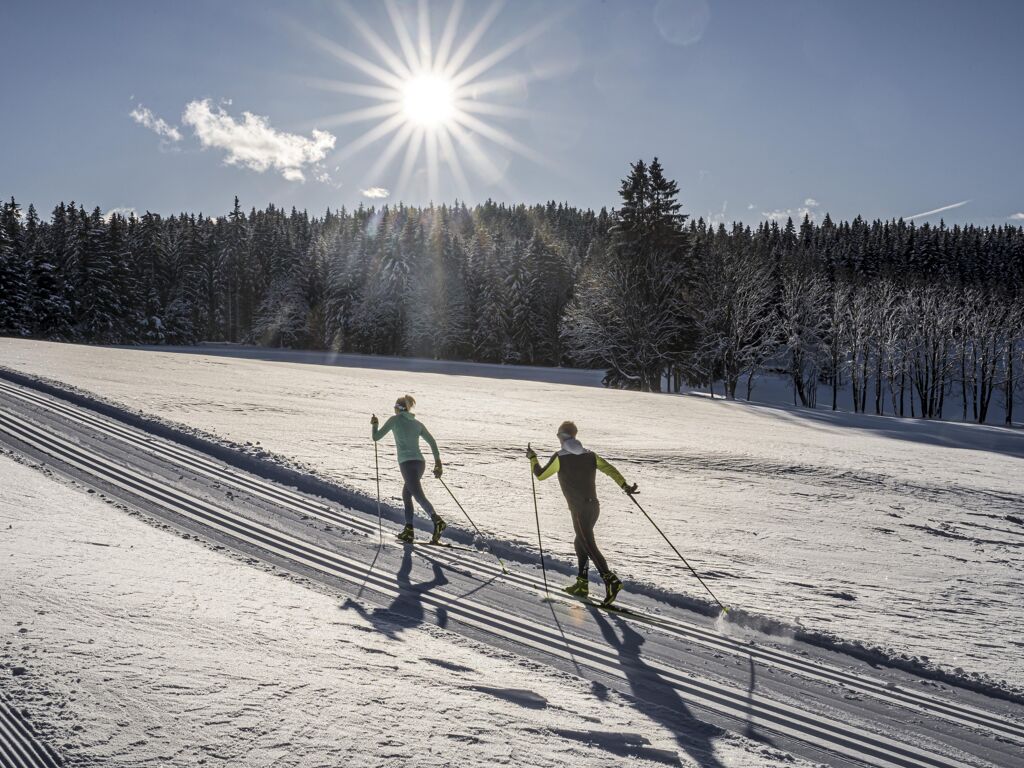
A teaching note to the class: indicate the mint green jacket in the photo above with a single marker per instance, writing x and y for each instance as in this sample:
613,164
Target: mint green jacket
407,433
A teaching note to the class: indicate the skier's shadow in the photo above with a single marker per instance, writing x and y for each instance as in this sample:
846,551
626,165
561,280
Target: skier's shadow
406,610
656,698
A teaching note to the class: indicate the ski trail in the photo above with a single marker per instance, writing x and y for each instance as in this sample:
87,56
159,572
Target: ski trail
19,747
811,729
735,639
731,638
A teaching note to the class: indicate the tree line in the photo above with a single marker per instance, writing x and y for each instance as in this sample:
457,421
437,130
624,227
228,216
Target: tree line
486,284
903,318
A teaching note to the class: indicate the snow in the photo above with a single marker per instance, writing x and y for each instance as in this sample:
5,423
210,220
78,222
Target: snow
132,658
900,534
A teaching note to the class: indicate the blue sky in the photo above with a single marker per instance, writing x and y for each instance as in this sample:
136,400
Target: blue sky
756,108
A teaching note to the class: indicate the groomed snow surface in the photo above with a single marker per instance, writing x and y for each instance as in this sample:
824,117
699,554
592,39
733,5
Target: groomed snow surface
905,535
137,646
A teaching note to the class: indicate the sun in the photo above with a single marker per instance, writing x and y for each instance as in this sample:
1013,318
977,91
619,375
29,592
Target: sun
428,100
432,95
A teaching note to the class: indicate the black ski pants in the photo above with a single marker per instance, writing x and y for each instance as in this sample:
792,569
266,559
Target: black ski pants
412,473
584,517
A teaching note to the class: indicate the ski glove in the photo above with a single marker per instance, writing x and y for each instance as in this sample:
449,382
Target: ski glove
631,489
530,454
373,420
437,469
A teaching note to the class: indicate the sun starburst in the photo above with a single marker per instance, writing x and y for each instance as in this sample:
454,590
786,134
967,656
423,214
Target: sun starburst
429,97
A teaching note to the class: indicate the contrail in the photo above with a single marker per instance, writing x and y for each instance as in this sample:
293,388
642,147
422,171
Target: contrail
937,210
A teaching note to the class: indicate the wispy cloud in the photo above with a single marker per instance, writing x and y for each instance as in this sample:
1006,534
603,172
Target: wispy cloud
796,213
375,193
937,210
1018,216
145,117
718,217
254,144
324,177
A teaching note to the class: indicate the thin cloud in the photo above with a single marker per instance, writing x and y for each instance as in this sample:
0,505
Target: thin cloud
375,193
937,210
718,218
324,177
253,143
1018,216
797,213
145,117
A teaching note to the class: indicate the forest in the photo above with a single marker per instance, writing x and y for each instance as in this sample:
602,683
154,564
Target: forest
907,318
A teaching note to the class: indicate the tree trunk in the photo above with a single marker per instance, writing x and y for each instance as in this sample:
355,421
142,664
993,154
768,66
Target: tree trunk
864,384
1009,387
879,407
903,378
963,380
974,381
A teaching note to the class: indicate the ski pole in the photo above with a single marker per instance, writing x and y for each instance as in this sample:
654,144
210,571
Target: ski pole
633,499
500,561
536,514
376,467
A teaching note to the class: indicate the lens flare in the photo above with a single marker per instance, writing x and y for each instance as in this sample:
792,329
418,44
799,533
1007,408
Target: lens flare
431,95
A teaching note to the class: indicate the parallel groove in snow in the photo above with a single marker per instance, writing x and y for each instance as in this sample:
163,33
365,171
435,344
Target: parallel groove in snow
951,711
820,732
19,747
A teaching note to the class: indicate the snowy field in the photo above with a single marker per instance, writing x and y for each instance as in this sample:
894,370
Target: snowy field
900,534
131,658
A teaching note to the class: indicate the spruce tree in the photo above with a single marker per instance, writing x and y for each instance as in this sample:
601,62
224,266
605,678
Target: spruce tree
14,273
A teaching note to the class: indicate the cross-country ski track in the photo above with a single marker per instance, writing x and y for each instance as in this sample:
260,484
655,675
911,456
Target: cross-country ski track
678,668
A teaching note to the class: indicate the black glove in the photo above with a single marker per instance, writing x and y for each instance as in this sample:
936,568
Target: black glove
437,469
373,420
530,454
631,489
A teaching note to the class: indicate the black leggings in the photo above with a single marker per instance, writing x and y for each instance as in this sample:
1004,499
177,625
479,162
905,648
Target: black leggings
584,518
412,472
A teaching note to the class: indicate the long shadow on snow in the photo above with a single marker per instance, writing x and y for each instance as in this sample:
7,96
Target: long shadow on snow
575,376
406,610
657,699
1008,441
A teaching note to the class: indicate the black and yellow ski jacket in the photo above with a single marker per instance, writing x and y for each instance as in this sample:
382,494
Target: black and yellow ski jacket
577,474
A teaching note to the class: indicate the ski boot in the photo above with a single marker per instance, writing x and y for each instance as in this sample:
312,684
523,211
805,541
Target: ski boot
439,526
612,587
579,588
408,535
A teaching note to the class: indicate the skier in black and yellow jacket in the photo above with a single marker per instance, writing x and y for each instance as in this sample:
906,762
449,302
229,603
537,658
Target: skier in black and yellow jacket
576,468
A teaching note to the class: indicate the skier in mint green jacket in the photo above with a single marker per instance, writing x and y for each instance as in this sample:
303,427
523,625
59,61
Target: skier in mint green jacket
408,431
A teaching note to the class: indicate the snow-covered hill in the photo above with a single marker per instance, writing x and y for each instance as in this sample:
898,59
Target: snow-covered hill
903,534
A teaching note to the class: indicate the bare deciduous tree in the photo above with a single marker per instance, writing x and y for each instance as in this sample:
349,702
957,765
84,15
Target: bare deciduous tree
803,314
